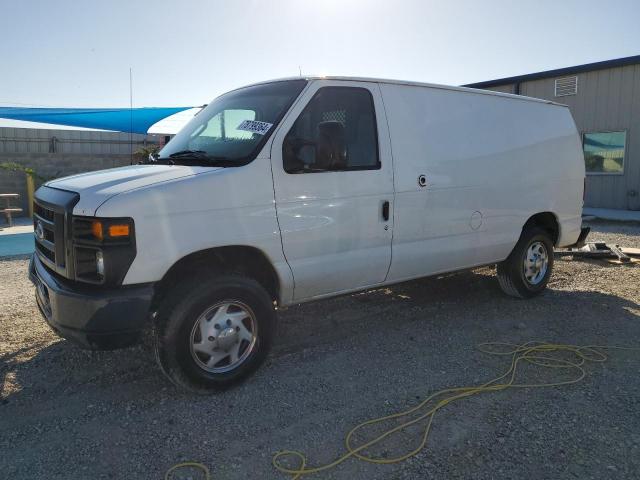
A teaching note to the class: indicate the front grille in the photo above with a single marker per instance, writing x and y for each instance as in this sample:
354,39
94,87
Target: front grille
43,212
48,227
51,216
42,250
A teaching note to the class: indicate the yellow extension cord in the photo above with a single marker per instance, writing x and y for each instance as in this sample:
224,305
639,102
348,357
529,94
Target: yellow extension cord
178,466
536,353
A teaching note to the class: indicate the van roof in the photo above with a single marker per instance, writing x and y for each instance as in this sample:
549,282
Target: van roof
414,84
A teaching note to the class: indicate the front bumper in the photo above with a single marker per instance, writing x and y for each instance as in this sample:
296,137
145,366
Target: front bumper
94,317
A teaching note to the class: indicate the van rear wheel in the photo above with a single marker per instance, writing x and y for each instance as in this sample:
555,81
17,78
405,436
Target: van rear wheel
526,271
214,332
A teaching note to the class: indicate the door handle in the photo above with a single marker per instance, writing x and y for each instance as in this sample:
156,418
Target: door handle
385,210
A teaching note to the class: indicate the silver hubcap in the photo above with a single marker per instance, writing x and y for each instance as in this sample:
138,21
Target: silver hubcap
223,336
536,263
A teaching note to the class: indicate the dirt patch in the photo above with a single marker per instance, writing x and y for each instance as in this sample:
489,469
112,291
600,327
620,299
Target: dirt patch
68,413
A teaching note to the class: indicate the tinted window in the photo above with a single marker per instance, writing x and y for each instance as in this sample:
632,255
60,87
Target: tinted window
604,152
335,132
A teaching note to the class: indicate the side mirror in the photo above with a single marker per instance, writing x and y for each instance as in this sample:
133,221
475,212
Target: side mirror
298,154
329,152
307,153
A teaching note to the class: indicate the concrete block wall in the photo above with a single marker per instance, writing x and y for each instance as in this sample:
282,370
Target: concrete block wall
60,153
36,140
50,166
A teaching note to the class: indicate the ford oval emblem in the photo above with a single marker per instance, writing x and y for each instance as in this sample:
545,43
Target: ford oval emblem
39,230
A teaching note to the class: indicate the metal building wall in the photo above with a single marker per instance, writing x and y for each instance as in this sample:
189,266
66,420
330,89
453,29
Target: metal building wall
607,100
509,88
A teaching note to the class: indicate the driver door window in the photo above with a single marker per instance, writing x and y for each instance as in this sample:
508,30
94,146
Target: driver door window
335,132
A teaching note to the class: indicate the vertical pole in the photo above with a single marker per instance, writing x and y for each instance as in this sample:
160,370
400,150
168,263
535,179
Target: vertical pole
130,117
30,190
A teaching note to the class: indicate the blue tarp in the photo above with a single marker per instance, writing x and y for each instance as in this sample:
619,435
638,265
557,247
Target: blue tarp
136,120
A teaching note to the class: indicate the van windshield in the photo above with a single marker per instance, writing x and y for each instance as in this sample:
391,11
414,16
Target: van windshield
232,129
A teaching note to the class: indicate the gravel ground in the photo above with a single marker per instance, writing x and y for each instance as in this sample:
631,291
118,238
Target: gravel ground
68,413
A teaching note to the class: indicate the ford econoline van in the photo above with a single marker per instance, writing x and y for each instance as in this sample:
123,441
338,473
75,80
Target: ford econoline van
294,190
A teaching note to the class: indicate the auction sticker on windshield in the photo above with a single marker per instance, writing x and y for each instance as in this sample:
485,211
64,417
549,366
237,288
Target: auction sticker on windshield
254,126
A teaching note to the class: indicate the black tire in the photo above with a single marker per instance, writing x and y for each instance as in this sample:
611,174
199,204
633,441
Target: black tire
511,272
177,317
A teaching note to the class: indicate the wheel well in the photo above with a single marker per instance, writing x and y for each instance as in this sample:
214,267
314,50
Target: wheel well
547,221
248,261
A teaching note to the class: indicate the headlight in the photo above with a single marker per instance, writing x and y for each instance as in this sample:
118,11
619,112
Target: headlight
103,249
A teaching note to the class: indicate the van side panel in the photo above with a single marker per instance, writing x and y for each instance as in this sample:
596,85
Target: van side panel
490,163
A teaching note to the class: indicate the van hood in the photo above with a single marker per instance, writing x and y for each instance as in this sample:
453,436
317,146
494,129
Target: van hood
95,188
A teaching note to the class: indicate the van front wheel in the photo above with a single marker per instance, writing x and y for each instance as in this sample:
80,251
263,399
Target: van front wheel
214,332
526,271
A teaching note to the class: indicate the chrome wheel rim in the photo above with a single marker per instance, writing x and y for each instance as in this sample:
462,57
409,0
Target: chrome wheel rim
223,336
536,263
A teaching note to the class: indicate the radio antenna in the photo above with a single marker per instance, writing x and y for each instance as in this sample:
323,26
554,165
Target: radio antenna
130,116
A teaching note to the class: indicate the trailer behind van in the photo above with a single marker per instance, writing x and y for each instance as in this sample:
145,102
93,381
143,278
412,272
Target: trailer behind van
294,190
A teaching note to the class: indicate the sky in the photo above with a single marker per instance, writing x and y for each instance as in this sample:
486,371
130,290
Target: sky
71,53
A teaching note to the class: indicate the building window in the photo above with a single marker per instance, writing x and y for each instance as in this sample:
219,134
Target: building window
604,152
566,86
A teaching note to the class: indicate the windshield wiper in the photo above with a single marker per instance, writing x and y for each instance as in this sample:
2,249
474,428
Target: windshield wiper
189,153
156,158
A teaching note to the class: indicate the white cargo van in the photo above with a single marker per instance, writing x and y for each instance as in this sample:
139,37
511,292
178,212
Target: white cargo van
294,190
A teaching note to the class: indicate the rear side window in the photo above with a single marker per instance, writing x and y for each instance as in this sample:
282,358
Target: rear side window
335,132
